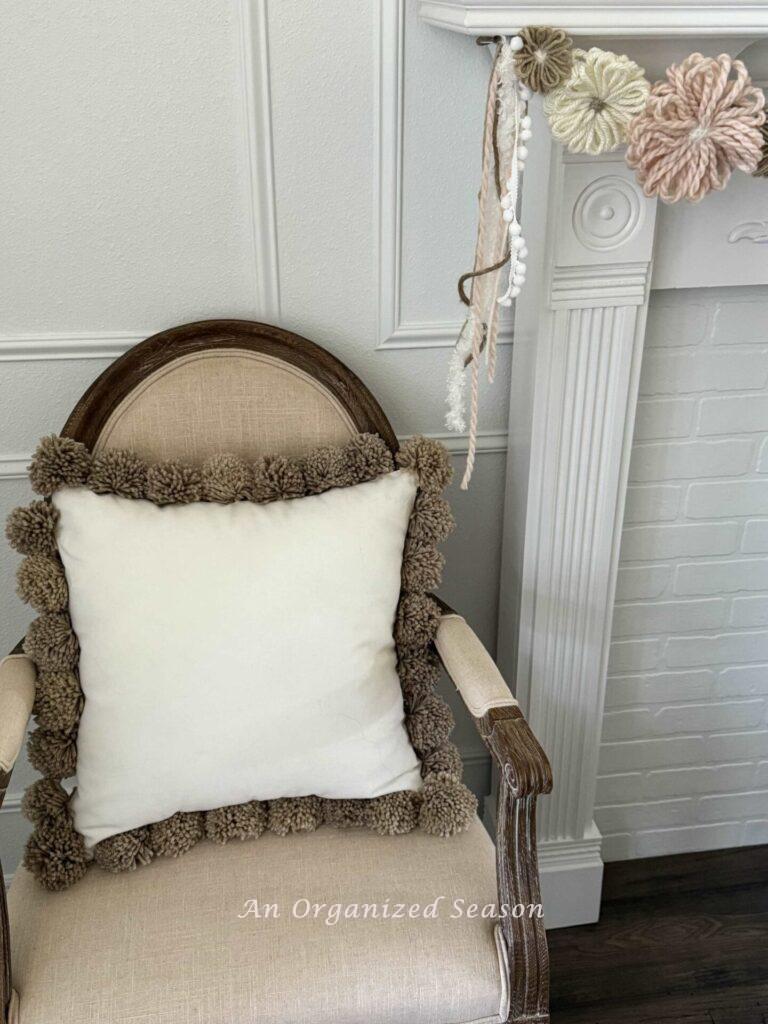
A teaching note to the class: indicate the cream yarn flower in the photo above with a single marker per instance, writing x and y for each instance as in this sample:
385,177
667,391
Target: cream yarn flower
699,125
591,110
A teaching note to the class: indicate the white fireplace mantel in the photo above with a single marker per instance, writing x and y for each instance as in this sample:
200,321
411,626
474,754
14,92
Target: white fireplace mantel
579,328
621,18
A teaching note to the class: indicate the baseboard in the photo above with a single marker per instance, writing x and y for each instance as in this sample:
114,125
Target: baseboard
571,872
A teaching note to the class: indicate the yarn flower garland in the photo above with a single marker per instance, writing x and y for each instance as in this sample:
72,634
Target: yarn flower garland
686,135
698,126
761,171
544,59
591,111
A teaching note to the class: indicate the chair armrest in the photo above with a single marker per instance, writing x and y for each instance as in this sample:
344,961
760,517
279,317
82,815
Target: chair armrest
17,694
470,666
506,733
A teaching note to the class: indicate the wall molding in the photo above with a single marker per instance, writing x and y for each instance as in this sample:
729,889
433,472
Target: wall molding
68,345
393,331
257,112
14,467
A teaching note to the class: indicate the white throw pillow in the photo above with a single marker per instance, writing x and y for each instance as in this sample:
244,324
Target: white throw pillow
235,652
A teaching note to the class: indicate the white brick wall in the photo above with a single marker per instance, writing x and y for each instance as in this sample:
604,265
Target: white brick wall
684,757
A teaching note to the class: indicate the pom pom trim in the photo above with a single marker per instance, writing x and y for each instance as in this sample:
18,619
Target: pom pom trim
55,853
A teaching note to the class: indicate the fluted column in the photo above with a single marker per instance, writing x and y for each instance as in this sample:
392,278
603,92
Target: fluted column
577,348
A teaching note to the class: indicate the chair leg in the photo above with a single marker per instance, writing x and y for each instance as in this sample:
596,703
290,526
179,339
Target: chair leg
519,894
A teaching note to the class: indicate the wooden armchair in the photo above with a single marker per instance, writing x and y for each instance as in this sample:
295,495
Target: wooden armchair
183,941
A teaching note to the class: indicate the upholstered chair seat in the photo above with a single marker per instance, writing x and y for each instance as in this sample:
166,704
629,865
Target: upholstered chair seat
167,943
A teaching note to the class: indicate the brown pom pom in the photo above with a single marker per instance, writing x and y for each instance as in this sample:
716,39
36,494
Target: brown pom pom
325,468
31,530
429,460
177,834
368,457
124,852
418,617
545,59
55,855
429,723
44,801
295,814
52,753
227,478
59,462
418,669
51,644
116,471
276,478
431,520
40,581
239,821
446,759
58,701
422,566
447,806
345,813
393,814
173,483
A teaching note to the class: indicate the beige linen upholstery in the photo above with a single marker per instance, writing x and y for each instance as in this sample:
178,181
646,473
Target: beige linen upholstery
226,400
166,944
17,694
470,666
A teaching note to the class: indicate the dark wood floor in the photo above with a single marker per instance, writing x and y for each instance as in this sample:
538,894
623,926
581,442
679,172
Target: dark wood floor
681,940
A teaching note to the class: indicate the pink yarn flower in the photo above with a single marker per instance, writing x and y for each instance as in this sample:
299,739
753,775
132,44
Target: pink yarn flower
697,127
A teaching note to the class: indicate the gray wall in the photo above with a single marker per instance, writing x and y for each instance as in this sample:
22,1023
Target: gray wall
142,180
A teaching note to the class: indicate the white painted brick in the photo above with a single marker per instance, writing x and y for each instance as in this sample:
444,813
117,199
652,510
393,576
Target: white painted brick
659,842
659,753
689,725
640,619
736,746
726,648
642,581
633,655
628,724
755,536
652,543
704,369
659,688
652,504
664,417
695,718
690,460
755,833
743,681
676,320
750,611
726,577
672,782
733,414
740,322
631,817
735,498
727,806
624,788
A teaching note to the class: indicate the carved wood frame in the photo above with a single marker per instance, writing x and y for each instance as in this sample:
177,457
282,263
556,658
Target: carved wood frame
523,766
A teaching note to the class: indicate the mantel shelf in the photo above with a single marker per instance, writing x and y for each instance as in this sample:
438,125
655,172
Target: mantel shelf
694,19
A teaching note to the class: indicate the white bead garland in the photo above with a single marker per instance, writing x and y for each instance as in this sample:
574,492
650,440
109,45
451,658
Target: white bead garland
521,133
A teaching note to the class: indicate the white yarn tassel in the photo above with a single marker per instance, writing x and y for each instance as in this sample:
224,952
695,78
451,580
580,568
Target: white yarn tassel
506,129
